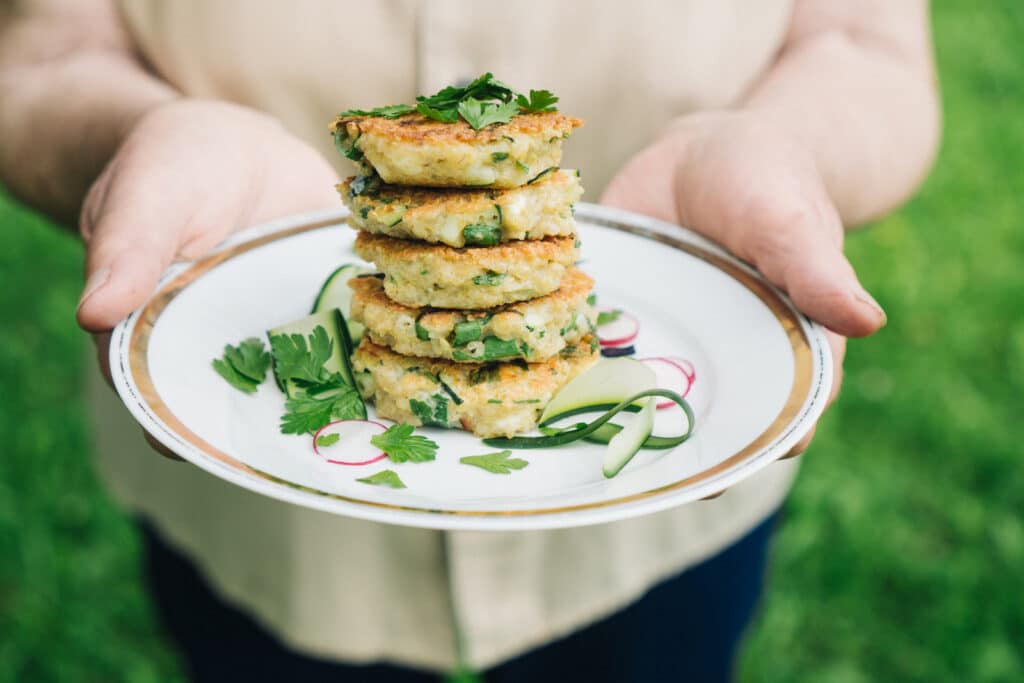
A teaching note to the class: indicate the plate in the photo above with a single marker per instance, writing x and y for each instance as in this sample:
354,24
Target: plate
763,373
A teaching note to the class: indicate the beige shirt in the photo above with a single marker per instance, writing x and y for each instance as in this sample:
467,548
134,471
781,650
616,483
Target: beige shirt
354,590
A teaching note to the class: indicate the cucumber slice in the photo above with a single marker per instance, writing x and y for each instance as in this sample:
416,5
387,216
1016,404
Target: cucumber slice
341,349
605,432
335,293
600,388
583,430
624,445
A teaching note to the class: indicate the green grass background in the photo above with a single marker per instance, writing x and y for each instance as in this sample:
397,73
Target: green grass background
902,554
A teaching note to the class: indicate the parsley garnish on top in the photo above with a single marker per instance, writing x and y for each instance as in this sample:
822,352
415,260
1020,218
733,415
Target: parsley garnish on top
483,102
539,100
244,366
402,445
480,114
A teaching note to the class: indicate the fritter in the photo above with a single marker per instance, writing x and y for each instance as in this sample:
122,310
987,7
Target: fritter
419,274
535,330
493,399
460,217
416,150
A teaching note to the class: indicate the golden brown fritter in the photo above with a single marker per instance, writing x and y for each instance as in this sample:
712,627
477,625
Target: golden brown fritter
494,399
466,217
419,274
534,330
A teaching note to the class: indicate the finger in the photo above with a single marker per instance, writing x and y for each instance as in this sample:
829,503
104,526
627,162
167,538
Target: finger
129,246
160,448
800,256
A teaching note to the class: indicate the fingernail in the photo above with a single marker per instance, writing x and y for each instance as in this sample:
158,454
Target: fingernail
866,298
94,283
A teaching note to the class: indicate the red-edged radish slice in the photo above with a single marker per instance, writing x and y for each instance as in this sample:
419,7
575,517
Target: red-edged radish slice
685,365
670,375
620,332
353,443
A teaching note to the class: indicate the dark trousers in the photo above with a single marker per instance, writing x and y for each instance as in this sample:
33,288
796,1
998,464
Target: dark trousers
687,629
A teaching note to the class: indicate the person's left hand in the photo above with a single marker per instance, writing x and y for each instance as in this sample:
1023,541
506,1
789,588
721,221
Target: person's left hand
749,187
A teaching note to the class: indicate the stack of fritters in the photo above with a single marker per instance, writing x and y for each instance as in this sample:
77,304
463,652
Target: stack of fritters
477,316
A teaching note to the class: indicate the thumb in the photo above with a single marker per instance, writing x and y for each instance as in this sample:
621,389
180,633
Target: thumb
126,253
810,266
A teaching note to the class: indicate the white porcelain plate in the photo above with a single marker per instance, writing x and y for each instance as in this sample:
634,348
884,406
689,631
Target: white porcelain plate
762,375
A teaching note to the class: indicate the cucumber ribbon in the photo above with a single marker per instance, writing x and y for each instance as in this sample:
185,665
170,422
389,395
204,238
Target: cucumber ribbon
600,430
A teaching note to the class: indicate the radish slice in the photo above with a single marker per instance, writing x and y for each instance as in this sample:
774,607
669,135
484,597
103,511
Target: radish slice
619,332
353,444
672,375
685,365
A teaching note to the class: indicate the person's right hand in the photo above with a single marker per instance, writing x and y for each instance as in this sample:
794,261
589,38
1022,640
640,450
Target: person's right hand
188,173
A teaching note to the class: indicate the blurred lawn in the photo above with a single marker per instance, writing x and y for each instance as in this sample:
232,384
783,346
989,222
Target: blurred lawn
902,555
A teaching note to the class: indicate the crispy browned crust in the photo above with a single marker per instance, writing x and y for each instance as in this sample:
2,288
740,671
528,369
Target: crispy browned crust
420,129
575,286
423,197
370,246
453,199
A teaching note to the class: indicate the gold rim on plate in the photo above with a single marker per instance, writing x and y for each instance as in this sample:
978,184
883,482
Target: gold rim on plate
138,354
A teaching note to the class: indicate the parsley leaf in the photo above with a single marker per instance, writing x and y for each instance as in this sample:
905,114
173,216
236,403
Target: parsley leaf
244,366
485,87
539,100
482,114
384,478
391,111
495,463
250,358
348,404
325,440
233,377
306,414
295,360
402,445
316,394
605,317
449,115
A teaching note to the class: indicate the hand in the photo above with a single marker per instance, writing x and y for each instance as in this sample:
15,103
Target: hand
748,187
188,174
